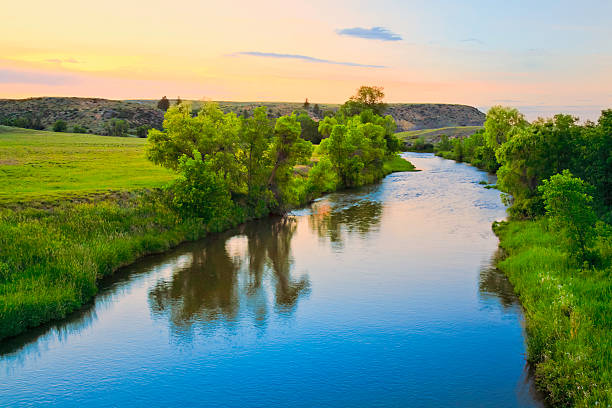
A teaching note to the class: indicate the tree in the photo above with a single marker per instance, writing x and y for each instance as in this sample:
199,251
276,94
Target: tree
142,131
287,150
254,140
200,192
116,127
569,207
366,97
310,128
316,110
501,124
163,104
306,104
60,126
179,100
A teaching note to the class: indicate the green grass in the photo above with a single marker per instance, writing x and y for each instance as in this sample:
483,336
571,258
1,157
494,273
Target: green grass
568,314
429,134
396,164
47,166
52,259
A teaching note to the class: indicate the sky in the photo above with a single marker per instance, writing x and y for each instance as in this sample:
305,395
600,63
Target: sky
541,56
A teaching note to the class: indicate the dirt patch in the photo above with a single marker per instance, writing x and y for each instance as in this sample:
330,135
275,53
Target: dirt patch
8,162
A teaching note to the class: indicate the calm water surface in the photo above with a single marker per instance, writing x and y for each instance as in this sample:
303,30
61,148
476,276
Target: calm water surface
383,296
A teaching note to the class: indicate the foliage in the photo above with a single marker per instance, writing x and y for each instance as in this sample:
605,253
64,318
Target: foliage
60,126
178,101
569,209
306,104
310,128
500,125
116,127
472,149
163,103
27,122
568,313
322,178
366,97
201,192
79,129
142,131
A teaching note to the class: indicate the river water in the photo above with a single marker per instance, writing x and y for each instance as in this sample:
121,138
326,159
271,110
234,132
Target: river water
384,296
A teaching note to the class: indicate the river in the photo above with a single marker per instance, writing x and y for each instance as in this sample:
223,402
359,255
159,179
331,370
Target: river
379,297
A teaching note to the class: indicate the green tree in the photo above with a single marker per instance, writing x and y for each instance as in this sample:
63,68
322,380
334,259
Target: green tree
287,149
255,137
163,103
200,192
366,97
60,126
316,110
501,124
179,100
142,131
79,129
306,104
569,207
116,127
310,128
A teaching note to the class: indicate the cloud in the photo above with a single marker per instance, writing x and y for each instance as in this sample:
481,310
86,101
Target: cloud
59,61
473,40
11,76
374,33
305,58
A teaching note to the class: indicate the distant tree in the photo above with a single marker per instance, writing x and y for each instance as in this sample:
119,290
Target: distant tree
501,124
306,104
116,127
142,131
366,97
179,100
79,129
316,109
310,128
570,209
60,126
163,104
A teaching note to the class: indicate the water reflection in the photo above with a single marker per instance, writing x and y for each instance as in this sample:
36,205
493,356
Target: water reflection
494,285
334,215
231,277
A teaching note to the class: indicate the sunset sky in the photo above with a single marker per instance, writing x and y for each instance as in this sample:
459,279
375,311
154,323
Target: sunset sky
541,56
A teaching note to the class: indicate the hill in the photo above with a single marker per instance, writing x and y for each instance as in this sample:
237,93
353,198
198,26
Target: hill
432,136
45,166
93,114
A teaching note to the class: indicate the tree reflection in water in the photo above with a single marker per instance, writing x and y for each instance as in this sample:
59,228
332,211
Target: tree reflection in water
233,276
333,216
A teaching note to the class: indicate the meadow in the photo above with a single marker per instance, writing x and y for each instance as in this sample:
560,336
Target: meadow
41,166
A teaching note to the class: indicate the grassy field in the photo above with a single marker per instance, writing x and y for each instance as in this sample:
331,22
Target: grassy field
47,166
433,135
568,313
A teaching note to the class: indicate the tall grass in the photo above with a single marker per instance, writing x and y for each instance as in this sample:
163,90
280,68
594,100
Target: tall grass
568,314
50,260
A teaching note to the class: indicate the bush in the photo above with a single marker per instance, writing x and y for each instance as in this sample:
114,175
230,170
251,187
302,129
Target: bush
116,127
60,126
79,129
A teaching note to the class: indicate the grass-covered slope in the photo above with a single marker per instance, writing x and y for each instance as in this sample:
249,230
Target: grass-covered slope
47,166
433,135
568,314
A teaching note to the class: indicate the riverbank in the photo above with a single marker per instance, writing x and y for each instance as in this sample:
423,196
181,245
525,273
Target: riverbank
568,313
53,257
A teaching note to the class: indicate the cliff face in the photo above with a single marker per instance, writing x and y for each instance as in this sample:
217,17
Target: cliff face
94,113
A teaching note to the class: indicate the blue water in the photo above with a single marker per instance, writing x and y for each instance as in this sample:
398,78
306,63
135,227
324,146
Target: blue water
380,297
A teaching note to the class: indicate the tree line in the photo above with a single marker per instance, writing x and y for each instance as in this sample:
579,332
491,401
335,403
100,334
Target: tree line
233,166
555,167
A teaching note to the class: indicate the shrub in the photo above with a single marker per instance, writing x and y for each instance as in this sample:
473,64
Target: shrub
60,126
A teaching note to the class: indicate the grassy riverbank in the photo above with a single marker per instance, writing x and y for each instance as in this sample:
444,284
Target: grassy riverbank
52,255
568,313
